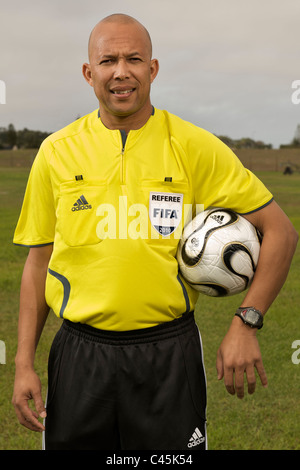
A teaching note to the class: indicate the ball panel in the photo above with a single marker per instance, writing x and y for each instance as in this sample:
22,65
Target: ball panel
213,290
218,252
229,252
200,229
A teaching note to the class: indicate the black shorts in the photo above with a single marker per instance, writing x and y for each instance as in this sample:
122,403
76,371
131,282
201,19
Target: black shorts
133,390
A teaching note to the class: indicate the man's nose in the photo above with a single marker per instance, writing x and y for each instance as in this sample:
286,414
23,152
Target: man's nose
121,70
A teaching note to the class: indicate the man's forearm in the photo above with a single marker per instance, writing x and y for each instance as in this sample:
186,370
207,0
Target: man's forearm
277,250
33,307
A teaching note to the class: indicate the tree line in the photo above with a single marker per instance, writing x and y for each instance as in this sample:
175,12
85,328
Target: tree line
11,138
244,143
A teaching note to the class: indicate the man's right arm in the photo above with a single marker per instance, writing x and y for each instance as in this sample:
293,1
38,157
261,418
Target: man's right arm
33,314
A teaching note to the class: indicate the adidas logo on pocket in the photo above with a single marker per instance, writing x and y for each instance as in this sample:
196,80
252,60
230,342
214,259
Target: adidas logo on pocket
196,438
81,204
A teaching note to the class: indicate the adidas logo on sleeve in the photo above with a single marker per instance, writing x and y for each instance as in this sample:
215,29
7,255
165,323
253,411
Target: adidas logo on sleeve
196,439
81,204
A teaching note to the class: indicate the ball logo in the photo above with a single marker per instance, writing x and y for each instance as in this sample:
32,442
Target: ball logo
218,218
165,211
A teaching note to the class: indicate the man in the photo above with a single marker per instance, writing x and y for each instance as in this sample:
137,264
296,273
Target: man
125,369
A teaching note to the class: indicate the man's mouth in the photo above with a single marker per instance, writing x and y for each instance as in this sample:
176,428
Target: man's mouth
123,92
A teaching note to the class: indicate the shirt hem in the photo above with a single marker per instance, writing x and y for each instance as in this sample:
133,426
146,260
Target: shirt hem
33,246
258,208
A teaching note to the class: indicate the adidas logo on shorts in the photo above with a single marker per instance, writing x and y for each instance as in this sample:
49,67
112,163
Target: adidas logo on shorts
81,204
196,438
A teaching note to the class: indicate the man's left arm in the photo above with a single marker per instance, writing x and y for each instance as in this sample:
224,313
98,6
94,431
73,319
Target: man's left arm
239,352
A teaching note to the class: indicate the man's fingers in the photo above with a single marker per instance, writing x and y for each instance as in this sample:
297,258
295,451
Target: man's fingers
239,382
234,379
228,380
251,379
39,405
262,373
234,367
219,365
28,418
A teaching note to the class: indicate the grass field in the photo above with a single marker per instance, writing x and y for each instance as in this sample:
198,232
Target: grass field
268,420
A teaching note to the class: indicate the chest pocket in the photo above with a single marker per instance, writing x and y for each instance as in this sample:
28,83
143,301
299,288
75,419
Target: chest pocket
76,212
169,206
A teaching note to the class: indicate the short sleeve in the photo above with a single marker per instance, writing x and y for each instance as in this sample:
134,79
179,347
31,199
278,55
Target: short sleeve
36,224
220,180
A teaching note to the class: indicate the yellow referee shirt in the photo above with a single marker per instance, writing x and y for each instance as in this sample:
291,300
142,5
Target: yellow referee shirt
114,208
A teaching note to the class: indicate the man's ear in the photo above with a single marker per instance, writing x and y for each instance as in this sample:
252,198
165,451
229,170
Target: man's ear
87,73
154,67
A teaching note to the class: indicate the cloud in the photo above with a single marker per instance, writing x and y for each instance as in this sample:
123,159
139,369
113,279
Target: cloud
226,66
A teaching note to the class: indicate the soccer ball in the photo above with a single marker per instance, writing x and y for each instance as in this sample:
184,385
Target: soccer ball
218,252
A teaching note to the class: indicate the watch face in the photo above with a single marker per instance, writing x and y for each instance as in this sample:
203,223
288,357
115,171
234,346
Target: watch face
252,316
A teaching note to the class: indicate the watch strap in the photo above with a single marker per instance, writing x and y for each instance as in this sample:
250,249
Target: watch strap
242,313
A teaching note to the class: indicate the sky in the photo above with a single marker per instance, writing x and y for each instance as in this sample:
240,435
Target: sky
227,66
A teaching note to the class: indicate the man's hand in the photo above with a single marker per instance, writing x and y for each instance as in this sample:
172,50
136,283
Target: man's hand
238,354
28,387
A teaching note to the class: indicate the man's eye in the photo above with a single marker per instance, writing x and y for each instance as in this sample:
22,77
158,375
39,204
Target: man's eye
106,61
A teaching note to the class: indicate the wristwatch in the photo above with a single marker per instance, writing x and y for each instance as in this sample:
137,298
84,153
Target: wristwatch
250,317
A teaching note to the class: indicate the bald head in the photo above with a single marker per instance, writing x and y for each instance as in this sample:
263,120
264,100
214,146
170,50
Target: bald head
121,19
121,71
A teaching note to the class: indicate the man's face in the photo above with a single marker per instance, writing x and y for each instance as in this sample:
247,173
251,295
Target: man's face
121,70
